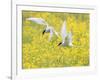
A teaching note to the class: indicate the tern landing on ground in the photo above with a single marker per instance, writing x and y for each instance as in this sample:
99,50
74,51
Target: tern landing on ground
48,29
66,36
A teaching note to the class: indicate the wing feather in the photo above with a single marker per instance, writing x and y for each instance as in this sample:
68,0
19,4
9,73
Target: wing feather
51,34
63,31
37,20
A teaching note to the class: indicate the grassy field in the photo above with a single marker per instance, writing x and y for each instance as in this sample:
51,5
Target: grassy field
38,52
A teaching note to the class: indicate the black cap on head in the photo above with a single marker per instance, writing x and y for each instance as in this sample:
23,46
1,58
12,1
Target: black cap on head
59,43
43,32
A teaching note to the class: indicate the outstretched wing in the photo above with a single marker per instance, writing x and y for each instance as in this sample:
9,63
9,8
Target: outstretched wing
51,34
70,39
56,33
63,31
37,20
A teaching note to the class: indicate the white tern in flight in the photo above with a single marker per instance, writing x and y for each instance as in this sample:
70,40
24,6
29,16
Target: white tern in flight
48,29
66,36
